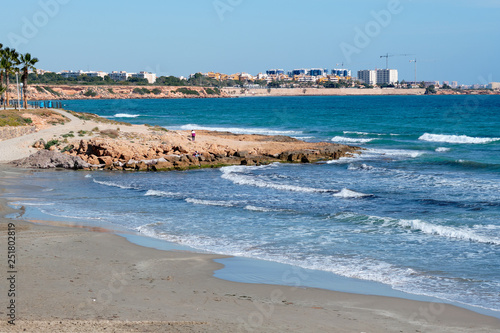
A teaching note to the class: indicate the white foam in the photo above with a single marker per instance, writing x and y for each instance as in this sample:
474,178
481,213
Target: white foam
448,232
125,187
156,193
397,152
360,167
88,176
35,204
210,202
442,149
126,115
350,140
370,154
367,133
235,175
261,209
456,139
347,193
240,130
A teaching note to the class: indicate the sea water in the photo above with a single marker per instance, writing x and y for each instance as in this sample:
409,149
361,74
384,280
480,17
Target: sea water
417,212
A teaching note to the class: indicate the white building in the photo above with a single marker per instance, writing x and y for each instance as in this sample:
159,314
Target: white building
494,85
96,74
151,77
368,76
119,76
387,76
75,74
378,76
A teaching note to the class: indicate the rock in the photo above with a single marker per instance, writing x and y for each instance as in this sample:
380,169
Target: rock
45,159
142,166
242,153
161,166
180,149
39,144
93,160
106,160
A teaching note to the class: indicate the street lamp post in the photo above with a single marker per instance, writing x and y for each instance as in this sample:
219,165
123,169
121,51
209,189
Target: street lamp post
17,81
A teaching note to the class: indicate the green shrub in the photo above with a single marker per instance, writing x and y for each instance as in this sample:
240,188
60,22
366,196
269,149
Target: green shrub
156,91
90,93
187,91
69,135
141,91
211,91
51,143
67,148
50,90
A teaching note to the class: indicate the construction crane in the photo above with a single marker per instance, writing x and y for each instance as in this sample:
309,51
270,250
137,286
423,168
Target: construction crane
386,56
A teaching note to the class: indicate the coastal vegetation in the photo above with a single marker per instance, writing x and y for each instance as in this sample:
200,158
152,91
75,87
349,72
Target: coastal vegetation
210,91
141,91
187,91
90,93
12,118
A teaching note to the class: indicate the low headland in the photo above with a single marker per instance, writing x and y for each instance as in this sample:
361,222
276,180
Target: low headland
85,141
39,92
88,279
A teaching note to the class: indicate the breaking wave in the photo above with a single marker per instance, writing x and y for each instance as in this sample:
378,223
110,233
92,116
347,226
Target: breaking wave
350,140
111,184
239,130
456,139
236,175
126,115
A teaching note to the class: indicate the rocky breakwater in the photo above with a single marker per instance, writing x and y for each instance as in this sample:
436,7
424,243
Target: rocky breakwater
173,151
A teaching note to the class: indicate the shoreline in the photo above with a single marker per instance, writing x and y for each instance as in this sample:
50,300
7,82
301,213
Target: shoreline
94,280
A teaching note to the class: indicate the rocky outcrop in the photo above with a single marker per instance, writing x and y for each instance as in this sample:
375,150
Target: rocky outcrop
46,159
111,154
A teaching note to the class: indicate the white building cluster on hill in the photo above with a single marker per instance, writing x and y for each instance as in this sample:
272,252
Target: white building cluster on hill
115,75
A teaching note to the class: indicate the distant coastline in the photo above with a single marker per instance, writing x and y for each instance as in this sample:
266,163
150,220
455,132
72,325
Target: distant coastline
85,92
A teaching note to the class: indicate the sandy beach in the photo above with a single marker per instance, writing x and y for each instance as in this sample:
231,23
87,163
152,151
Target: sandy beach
70,279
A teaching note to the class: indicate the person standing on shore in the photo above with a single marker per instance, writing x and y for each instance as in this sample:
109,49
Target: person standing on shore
193,135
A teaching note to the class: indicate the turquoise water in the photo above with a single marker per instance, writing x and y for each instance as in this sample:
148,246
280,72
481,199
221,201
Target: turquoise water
417,212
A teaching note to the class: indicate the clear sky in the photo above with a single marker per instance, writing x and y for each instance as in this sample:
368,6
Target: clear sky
452,40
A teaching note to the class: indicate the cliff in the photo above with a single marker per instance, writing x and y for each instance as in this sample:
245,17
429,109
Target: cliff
68,92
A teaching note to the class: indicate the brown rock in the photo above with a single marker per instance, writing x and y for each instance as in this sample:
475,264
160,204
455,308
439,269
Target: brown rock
162,166
142,166
107,160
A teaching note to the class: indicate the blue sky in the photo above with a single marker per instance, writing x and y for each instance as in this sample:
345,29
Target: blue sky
455,40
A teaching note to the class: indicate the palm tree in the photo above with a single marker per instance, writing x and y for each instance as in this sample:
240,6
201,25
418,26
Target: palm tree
2,89
27,63
9,61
